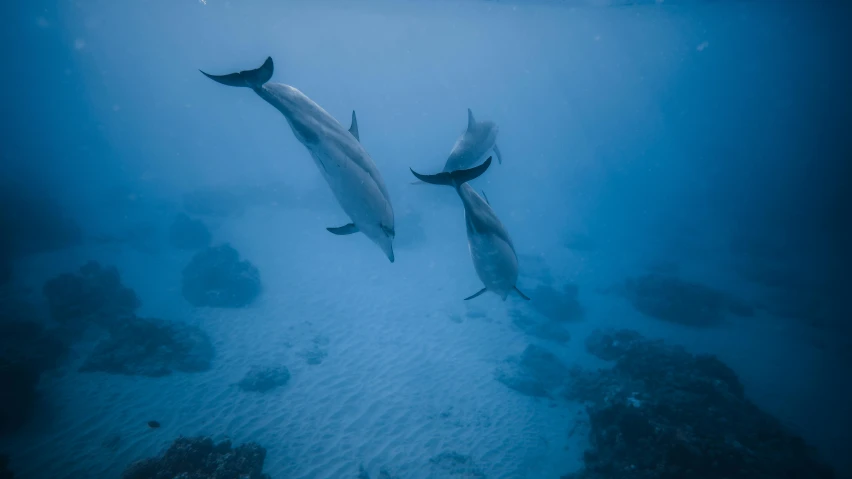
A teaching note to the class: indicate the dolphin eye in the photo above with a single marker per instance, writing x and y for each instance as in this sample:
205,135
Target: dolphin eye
388,231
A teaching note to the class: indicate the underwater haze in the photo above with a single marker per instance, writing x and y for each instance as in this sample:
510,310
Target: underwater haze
214,278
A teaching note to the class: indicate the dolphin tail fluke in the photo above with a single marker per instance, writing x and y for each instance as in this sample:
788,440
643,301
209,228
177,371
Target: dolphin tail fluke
476,294
526,298
249,78
454,178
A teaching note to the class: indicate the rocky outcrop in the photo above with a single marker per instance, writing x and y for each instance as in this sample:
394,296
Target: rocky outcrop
201,458
151,347
94,295
663,413
31,222
535,372
216,277
540,328
676,300
261,380
5,473
26,350
453,464
559,306
17,394
28,342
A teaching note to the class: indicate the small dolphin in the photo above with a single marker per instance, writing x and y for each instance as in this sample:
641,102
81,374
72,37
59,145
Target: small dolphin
491,248
337,152
472,145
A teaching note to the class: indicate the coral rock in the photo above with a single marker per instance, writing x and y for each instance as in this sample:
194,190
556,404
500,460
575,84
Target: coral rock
216,277
151,347
95,294
264,379
200,458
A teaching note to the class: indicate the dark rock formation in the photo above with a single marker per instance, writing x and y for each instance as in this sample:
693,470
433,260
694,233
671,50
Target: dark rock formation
264,379
662,412
547,330
313,356
6,268
451,463
151,347
95,295
672,299
28,342
31,222
187,233
18,393
26,350
5,473
536,372
555,305
216,277
200,458
383,473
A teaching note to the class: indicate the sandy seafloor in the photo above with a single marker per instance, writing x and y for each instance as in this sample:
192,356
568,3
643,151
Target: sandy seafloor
409,372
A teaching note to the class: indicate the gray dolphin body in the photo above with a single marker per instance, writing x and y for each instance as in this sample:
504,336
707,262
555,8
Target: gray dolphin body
337,152
479,138
491,248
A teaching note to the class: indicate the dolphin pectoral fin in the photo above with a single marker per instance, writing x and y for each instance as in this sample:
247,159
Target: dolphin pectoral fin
248,78
476,294
498,154
354,128
471,121
344,230
526,298
486,198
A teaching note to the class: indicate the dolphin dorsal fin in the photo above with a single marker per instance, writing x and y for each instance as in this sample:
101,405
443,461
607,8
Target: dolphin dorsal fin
471,121
354,128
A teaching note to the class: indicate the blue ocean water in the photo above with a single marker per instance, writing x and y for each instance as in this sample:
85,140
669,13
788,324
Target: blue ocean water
674,189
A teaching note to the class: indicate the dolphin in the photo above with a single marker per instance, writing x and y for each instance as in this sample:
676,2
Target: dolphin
337,152
473,144
491,248
478,139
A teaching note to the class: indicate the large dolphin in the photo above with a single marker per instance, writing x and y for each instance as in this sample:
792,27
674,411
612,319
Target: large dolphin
491,248
345,164
479,138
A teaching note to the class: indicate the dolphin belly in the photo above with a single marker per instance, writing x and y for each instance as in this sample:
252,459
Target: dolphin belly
356,193
495,262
